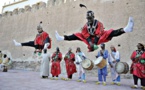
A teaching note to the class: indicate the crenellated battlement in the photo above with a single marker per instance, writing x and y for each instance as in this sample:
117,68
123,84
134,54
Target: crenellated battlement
34,7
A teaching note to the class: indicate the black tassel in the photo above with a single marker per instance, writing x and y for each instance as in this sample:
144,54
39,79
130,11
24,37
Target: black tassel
81,5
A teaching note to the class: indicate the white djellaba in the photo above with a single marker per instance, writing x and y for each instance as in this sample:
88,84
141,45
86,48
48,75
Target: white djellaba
44,68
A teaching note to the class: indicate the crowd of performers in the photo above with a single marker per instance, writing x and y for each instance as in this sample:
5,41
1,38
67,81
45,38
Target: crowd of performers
92,34
73,65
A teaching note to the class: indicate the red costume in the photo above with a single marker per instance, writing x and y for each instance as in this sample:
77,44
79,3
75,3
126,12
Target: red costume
99,32
55,68
138,68
69,62
40,38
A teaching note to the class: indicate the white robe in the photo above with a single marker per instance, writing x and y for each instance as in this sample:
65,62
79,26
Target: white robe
114,74
63,68
44,68
80,69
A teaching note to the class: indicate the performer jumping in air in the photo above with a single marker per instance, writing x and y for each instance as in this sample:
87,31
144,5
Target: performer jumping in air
93,32
42,40
55,68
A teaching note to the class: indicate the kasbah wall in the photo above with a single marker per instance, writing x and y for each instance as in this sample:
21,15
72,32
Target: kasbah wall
68,18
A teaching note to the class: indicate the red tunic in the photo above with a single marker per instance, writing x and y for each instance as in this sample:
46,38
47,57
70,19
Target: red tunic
39,40
55,67
137,68
99,32
69,62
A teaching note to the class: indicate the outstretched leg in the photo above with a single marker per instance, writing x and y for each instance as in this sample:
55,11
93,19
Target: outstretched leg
30,43
116,33
66,37
128,28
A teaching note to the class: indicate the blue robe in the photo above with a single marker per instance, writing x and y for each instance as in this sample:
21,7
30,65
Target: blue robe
102,73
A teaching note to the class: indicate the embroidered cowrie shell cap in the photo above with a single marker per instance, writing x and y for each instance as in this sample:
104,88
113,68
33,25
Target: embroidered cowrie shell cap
90,14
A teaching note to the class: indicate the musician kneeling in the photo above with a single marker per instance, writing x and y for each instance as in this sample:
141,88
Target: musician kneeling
81,72
113,58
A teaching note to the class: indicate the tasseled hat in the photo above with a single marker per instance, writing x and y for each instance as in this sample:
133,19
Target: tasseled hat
39,27
89,13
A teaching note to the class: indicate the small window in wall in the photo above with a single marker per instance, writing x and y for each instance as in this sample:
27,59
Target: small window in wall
64,1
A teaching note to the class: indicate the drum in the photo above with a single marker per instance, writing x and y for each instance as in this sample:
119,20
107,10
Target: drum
87,64
100,62
121,67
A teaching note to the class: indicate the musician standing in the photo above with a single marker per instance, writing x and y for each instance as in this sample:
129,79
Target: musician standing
102,73
69,62
113,58
138,66
81,72
55,68
44,69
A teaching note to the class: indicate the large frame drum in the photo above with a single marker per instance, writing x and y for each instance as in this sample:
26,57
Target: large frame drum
100,62
121,67
87,64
